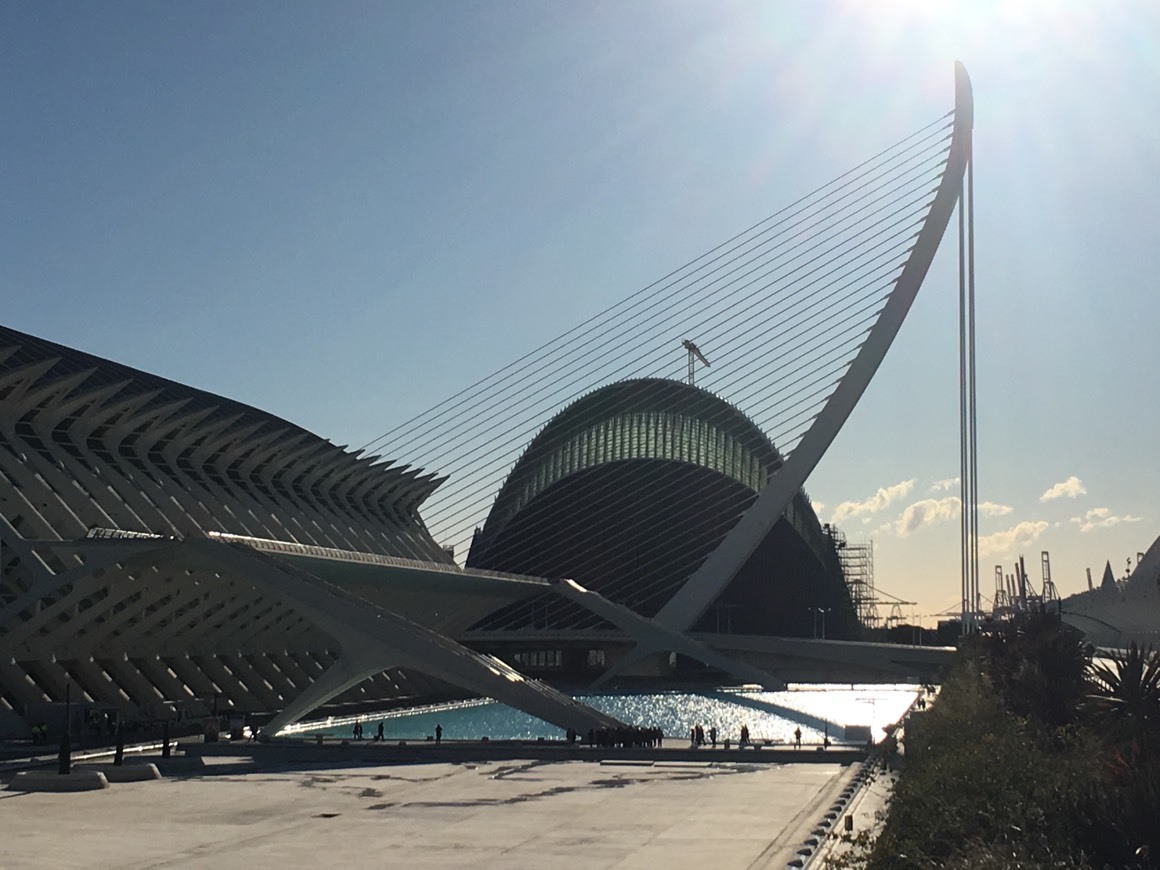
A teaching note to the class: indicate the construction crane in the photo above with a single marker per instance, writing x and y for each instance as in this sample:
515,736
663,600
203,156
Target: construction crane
896,617
694,355
1050,593
1003,605
1015,593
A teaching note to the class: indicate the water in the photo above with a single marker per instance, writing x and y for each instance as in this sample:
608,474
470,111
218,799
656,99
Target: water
818,710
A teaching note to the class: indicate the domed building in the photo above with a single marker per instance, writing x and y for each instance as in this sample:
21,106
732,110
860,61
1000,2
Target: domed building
628,489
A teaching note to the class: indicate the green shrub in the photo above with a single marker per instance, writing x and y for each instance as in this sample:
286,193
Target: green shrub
980,781
1033,756
1039,667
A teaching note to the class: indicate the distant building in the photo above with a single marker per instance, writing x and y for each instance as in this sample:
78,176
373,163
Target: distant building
1118,613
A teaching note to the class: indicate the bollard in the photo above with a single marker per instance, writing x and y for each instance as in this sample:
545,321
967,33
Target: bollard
64,758
165,739
119,755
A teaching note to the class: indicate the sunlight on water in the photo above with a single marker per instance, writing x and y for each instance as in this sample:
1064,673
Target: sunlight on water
817,710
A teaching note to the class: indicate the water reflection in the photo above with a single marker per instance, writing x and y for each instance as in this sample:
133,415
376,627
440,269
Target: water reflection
819,711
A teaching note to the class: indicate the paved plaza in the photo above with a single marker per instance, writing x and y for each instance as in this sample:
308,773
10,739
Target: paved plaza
498,814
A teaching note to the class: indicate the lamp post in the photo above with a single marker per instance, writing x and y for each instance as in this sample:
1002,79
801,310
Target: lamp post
823,611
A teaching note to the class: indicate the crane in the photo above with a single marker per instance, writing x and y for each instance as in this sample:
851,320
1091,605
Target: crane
694,355
896,616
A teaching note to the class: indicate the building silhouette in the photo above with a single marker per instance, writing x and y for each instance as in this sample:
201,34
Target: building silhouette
628,489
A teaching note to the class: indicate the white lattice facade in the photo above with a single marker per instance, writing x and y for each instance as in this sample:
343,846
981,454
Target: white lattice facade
107,474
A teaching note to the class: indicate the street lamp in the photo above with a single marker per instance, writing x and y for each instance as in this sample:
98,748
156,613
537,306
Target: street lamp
823,611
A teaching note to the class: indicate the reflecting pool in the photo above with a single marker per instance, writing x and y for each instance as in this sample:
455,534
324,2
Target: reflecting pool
819,710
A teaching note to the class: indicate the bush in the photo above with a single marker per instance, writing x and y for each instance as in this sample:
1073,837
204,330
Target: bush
978,782
1039,666
1032,757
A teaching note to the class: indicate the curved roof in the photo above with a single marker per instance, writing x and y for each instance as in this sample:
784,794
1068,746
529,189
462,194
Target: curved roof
642,418
628,489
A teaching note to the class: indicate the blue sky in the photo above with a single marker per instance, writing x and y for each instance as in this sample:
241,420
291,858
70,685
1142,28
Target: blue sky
343,213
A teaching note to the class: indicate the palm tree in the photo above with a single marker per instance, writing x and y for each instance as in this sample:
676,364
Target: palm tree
1126,689
1125,697
1039,668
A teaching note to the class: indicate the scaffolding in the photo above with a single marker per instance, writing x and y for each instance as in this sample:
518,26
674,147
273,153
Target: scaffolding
857,561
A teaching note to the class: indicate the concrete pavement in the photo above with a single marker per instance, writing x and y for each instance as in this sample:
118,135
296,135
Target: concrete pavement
494,814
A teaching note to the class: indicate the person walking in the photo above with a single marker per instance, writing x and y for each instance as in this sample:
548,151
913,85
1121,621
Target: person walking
438,733
797,738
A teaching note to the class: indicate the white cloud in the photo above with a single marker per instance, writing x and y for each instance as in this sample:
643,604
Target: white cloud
1071,487
928,512
1102,518
1009,542
818,506
933,511
880,500
944,484
991,509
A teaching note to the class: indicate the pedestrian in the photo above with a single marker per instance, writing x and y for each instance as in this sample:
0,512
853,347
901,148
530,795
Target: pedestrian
379,733
713,736
744,735
797,738
438,733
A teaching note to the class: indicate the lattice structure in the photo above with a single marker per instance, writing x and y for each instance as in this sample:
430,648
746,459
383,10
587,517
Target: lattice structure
858,568
160,545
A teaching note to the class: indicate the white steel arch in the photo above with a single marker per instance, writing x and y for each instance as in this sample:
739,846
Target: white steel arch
715,573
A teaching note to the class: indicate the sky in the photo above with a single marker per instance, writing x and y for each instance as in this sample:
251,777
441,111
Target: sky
343,213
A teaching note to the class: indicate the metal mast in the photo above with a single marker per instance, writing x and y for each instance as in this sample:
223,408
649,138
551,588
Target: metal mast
968,471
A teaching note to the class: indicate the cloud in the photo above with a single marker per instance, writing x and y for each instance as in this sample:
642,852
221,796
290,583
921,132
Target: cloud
1102,518
1071,487
880,500
818,506
944,484
928,512
1008,543
990,509
932,511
